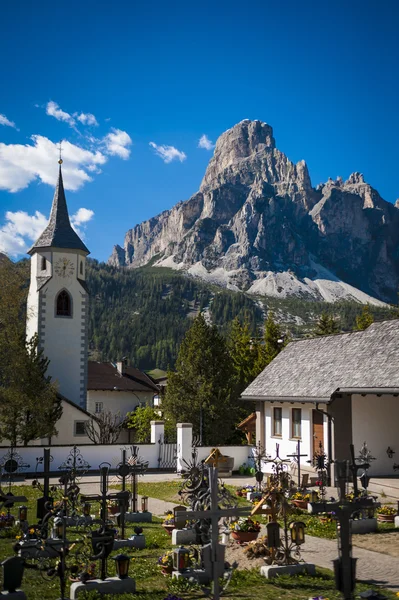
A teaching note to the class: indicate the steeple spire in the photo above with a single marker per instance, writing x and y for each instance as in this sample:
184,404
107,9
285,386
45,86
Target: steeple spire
59,232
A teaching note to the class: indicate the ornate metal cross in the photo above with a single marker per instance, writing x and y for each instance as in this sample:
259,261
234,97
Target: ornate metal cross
297,458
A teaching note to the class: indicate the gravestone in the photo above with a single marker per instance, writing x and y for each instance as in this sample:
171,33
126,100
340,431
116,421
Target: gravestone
13,571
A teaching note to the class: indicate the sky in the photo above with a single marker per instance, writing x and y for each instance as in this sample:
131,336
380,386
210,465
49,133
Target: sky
140,91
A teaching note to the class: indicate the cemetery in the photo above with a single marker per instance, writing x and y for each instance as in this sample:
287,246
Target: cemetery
62,535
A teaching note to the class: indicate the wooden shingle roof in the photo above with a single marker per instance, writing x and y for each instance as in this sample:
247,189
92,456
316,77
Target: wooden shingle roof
315,368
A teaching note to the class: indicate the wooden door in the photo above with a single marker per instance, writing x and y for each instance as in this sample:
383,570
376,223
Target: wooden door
318,432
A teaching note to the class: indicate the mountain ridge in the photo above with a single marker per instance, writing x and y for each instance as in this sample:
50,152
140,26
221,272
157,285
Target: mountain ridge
257,224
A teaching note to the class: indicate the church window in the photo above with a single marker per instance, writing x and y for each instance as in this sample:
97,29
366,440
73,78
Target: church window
81,267
80,427
64,304
44,264
296,416
99,407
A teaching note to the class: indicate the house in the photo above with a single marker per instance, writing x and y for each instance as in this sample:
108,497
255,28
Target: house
335,390
70,427
118,388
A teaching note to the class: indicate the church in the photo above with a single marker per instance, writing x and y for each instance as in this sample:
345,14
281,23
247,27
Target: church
57,311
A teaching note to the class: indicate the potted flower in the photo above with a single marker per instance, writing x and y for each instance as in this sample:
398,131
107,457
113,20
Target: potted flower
165,562
113,507
300,500
169,523
6,520
244,530
386,514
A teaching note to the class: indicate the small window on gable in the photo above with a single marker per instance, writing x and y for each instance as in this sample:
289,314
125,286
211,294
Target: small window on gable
64,304
44,264
80,428
99,407
81,267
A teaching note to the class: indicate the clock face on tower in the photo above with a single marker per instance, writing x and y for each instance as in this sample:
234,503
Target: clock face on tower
64,267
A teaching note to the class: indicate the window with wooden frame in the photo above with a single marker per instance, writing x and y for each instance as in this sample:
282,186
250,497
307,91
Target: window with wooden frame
277,421
296,421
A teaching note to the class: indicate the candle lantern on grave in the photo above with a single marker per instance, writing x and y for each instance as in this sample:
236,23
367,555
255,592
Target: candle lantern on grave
86,509
144,503
23,513
297,529
181,559
273,534
122,562
313,496
58,529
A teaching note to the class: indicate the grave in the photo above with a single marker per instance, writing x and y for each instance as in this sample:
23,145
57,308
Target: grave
136,467
224,464
13,571
212,552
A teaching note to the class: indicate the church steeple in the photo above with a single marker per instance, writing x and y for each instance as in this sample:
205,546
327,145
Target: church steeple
59,232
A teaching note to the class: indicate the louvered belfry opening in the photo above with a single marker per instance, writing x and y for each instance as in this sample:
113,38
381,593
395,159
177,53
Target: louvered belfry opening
64,304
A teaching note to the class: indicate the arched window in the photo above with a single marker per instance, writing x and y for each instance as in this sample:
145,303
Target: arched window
81,267
64,304
44,264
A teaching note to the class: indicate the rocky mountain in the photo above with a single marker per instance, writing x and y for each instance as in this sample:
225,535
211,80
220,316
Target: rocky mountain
257,224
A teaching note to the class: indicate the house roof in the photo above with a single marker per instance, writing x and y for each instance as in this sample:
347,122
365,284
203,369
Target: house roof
105,376
59,232
312,369
249,423
82,410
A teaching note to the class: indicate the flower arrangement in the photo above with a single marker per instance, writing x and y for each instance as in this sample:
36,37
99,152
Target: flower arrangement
169,519
245,524
386,510
243,491
166,560
300,496
6,520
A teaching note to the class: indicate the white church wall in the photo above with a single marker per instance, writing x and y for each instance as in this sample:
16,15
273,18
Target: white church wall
117,401
64,339
287,444
375,421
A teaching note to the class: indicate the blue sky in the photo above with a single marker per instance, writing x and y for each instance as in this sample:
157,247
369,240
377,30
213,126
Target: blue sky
323,74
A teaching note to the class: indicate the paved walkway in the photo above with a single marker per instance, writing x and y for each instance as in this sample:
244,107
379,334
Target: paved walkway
372,567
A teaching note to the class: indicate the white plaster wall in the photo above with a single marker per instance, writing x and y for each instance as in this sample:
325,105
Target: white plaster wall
375,421
94,454
287,445
63,339
114,401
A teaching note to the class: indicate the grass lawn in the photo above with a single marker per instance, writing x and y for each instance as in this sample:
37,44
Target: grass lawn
152,585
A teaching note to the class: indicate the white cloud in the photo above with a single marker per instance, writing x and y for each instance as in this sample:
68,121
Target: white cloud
205,142
21,230
117,143
53,110
168,153
21,164
86,119
7,122
83,215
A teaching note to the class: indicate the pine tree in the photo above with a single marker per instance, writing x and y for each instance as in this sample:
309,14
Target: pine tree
243,350
274,342
199,391
365,319
29,406
326,325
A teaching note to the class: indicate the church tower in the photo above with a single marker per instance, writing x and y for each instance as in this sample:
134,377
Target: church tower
58,300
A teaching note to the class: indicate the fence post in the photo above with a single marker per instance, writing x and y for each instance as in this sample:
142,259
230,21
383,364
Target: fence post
184,444
157,431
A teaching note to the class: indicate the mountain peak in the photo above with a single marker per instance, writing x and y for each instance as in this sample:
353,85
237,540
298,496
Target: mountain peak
257,224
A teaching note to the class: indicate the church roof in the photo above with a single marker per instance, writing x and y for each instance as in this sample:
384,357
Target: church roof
105,376
59,232
313,369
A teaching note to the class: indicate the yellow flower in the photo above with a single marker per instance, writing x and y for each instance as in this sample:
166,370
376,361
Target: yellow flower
18,537
31,530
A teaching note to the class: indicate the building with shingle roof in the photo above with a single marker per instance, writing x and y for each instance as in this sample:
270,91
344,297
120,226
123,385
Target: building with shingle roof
332,390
